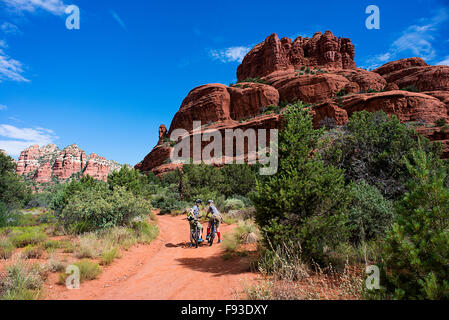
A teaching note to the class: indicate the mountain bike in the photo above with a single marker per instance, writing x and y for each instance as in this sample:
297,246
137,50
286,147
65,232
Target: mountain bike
196,235
212,233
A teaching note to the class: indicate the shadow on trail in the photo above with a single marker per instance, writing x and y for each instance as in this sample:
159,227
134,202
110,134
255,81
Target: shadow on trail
215,265
185,245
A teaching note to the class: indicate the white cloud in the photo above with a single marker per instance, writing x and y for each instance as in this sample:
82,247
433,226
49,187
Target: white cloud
3,44
231,54
11,69
56,7
9,28
3,107
445,62
118,19
18,139
417,40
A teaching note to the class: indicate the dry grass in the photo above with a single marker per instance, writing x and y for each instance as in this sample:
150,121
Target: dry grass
32,252
287,277
22,281
6,248
246,232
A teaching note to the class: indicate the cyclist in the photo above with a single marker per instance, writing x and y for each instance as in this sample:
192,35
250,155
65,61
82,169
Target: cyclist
215,216
193,216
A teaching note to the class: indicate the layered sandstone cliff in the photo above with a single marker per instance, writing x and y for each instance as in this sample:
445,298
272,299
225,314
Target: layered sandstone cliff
50,164
319,71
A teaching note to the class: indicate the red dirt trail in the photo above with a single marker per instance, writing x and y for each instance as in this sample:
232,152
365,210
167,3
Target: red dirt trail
167,269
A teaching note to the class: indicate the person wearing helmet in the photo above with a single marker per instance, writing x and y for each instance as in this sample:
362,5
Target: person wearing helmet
193,216
215,215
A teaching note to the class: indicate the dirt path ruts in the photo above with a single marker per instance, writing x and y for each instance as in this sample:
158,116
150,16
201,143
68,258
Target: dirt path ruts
166,269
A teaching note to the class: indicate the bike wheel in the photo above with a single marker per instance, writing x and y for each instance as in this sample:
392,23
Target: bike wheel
197,237
212,235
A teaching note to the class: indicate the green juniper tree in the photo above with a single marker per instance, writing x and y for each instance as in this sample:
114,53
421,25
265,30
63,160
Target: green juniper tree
305,201
416,253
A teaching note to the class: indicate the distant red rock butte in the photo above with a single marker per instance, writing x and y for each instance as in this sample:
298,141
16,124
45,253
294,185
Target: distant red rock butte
48,163
312,70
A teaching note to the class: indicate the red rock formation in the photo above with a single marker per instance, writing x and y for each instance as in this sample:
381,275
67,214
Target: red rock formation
158,160
43,173
325,111
208,103
415,72
162,133
250,99
272,55
320,71
28,160
312,88
71,160
393,66
157,157
408,106
97,167
44,164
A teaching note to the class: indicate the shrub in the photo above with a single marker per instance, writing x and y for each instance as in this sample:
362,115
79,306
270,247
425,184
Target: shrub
246,232
207,182
21,282
167,204
44,199
370,215
119,236
22,237
13,191
6,248
440,122
237,179
52,244
328,123
233,204
89,211
200,179
88,247
108,256
54,265
411,88
256,80
132,180
372,147
272,109
305,200
417,247
240,215
69,248
32,252
444,129
341,93
145,232
88,271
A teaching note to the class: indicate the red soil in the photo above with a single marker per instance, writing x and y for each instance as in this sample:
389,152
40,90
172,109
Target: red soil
167,269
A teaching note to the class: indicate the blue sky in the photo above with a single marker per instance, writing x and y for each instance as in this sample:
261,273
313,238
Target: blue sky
109,85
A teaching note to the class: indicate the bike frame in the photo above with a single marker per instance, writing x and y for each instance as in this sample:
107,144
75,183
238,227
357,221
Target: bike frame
196,235
212,233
